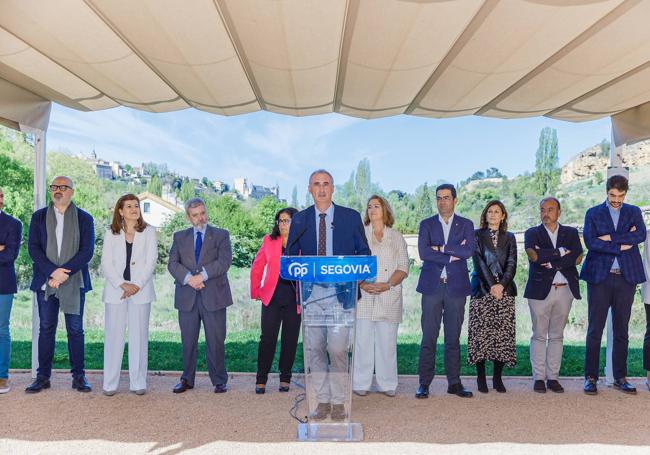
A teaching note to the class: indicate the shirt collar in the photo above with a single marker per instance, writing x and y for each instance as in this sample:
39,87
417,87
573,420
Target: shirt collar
557,229
612,208
329,212
451,219
202,231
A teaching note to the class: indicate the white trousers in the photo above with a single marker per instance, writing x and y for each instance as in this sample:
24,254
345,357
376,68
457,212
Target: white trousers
549,317
375,350
117,315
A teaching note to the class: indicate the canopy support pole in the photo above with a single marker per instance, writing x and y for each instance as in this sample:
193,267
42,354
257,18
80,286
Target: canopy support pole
40,194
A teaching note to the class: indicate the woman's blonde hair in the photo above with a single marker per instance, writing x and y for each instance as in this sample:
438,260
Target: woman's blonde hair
389,219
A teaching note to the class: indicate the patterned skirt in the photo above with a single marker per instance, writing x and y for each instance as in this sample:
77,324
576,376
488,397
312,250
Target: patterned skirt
491,331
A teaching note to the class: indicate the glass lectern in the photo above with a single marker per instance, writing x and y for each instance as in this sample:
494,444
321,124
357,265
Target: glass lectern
328,296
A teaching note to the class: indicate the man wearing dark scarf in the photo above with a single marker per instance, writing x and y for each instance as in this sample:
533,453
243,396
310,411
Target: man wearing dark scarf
61,244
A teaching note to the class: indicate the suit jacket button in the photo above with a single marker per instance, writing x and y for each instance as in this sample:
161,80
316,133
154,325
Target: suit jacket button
133,263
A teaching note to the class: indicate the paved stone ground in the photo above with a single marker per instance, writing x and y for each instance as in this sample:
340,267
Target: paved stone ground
61,420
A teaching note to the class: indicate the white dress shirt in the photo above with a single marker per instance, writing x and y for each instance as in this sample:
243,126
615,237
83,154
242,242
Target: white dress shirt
559,278
446,228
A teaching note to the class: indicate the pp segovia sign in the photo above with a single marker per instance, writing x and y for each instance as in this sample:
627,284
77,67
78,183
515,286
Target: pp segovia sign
328,269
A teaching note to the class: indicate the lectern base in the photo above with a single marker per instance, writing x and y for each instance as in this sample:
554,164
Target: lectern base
314,432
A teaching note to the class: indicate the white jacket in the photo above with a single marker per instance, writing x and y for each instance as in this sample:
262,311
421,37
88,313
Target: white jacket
143,263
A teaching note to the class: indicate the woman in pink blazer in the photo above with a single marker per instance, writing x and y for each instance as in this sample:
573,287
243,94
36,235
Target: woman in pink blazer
279,304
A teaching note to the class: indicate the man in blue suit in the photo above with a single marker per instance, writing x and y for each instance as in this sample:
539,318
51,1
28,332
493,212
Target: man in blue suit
612,269
326,229
445,242
553,251
61,244
10,235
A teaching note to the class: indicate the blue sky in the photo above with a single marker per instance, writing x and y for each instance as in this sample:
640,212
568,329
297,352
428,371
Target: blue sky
404,151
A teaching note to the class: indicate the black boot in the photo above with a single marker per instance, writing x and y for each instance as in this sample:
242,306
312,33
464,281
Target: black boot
481,380
497,382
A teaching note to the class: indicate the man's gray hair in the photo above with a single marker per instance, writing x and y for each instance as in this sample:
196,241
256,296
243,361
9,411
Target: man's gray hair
321,171
551,198
64,177
192,203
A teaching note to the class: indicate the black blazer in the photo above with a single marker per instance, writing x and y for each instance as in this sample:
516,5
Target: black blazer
490,262
540,251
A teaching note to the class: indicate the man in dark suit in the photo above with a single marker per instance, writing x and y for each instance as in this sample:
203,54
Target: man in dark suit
612,269
10,235
553,251
199,260
61,244
445,242
326,229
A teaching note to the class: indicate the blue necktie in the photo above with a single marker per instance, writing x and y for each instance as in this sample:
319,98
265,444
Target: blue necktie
197,246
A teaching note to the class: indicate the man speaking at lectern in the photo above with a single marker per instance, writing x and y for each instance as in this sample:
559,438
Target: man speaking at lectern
326,229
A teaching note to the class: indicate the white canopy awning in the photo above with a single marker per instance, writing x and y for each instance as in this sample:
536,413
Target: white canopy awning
567,59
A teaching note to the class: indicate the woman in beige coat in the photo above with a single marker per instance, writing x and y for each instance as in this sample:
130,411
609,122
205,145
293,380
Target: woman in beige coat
379,311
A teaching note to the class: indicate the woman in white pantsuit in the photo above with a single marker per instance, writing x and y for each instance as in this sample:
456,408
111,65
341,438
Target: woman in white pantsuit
379,311
129,260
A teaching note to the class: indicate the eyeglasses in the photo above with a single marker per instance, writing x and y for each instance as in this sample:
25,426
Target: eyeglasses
60,187
285,221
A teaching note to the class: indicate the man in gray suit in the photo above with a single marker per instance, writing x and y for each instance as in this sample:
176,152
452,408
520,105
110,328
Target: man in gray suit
199,261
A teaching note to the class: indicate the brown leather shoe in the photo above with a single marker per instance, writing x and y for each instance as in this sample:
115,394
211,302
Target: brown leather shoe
321,412
338,412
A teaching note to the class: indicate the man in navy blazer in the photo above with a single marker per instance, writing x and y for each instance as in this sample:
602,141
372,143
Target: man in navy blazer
326,229
445,242
10,235
553,252
612,269
49,279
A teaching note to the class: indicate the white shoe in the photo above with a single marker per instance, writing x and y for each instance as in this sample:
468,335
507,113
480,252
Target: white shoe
139,391
5,386
361,393
389,393
109,393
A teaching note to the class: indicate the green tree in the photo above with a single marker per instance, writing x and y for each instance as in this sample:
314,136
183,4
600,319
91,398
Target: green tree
424,204
17,186
547,162
187,191
155,186
294,198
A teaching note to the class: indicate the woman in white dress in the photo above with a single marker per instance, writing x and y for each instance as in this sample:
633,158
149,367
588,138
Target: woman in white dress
379,311
129,256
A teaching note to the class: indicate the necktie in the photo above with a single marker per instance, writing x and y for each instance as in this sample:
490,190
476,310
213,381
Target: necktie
322,239
197,246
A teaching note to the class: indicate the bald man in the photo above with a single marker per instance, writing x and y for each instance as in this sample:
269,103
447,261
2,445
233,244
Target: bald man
61,244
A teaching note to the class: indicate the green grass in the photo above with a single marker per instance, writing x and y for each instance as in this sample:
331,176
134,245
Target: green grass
165,353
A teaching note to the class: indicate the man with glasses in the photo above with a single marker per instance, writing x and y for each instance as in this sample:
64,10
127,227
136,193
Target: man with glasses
61,244
10,235
445,242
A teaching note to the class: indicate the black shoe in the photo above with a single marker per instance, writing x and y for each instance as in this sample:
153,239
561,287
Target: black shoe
624,386
38,385
422,391
260,389
539,386
182,386
284,387
459,390
221,388
554,386
590,387
80,384
481,384
497,384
